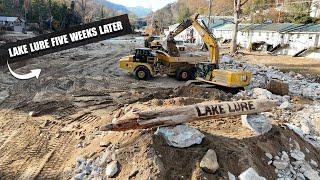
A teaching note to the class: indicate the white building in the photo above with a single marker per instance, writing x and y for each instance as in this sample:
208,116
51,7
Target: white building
281,38
12,23
303,38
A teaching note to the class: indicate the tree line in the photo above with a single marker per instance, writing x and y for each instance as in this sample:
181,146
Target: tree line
54,15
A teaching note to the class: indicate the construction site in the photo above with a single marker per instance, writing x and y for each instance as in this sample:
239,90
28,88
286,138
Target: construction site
146,106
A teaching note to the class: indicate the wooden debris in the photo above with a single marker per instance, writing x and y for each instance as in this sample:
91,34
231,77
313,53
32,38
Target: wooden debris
185,114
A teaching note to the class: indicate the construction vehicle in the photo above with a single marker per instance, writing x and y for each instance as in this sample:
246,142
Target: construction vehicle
153,42
209,72
145,64
152,39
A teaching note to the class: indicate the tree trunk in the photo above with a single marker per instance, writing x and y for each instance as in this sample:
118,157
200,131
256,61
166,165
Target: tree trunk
185,114
236,15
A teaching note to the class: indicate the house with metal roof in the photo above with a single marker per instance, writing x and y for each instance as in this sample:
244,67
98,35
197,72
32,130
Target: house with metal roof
12,23
303,40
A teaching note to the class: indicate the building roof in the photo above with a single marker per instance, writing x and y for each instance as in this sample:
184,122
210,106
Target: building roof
229,27
278,27
10,19
306,28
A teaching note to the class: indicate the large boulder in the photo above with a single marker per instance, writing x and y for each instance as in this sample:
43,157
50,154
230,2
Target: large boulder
278,87
180,136
209,162
258,123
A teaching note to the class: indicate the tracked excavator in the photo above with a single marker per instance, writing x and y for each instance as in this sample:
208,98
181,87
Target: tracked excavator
209,72
146,63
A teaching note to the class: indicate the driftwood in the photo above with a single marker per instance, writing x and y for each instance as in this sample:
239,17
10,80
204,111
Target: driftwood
184,114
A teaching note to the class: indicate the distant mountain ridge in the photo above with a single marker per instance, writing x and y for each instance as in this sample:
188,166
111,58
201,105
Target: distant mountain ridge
114,6
138,10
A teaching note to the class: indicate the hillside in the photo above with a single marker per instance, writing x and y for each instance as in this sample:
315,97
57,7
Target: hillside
140,11
176,12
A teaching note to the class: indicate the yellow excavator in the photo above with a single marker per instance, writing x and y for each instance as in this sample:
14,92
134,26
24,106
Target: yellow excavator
209,72
145,63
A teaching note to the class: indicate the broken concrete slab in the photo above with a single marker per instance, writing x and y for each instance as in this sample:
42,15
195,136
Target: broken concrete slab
180,136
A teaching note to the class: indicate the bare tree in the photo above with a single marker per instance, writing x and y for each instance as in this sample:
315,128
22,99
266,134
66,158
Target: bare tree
236,15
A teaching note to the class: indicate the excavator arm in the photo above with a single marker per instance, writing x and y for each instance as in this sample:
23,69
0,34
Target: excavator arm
204,32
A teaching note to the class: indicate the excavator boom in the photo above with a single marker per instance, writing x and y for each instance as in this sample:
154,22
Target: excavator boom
204,32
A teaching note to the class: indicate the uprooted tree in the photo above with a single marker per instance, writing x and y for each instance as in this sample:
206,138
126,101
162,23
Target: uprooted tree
237,7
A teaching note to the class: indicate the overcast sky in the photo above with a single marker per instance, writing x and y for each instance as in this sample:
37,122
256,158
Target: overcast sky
154,4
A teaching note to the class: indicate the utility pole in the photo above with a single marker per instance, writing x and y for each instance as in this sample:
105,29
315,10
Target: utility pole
209,18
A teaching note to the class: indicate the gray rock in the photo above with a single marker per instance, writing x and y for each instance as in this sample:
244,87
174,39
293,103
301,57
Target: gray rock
297,155
250,174
313,163
280,164
107,157
112,169
258,123
231,176
311,174
79,176
285,105
209,162
269,155
180,136
285,156
3,95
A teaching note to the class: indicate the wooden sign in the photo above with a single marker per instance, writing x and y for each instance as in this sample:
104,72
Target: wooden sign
185,114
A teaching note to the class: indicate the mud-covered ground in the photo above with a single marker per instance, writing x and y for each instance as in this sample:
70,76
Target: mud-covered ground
47,123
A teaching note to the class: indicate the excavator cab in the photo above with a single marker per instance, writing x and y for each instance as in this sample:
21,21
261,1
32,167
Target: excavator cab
204,70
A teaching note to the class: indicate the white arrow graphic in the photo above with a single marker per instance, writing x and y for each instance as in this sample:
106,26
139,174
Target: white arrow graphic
33,73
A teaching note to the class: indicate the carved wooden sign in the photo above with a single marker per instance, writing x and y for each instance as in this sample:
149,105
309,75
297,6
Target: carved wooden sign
185,114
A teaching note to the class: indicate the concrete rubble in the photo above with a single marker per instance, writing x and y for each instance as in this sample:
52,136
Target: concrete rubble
294,166
298,84
180,136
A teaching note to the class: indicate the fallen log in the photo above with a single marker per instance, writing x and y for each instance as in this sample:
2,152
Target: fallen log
185,114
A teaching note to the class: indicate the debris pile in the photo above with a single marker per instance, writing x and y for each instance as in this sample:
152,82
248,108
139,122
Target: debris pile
298,84
294,166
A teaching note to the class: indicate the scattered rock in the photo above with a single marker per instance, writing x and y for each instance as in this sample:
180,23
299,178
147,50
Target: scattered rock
249,174
311,174
280,164
231,176
105,144
112,169
269,155
180,136
313,163
258,123
209,162
297,155
278,87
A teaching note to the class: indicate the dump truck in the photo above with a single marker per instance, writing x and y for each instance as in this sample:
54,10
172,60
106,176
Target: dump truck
146,63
